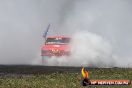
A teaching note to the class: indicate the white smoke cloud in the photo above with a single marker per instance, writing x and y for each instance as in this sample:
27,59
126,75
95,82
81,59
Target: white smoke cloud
108,23
107,19
90,49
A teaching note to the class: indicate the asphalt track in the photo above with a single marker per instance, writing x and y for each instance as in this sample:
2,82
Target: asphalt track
32,69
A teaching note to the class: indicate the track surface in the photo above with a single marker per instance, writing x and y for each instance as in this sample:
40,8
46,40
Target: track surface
30,69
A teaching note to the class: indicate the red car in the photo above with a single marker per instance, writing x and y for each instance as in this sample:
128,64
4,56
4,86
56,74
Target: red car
55,46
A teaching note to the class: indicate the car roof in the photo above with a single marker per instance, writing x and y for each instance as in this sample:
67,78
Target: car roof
60,36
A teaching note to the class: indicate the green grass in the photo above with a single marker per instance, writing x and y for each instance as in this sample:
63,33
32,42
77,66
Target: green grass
64,80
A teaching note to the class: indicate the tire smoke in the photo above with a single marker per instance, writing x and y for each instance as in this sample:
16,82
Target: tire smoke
100,31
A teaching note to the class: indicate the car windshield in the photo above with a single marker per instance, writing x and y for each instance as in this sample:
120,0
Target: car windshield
57,40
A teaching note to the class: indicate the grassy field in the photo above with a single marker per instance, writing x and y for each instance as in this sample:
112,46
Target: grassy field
64,80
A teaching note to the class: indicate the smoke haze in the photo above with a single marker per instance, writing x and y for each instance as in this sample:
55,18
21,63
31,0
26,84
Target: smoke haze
101,27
